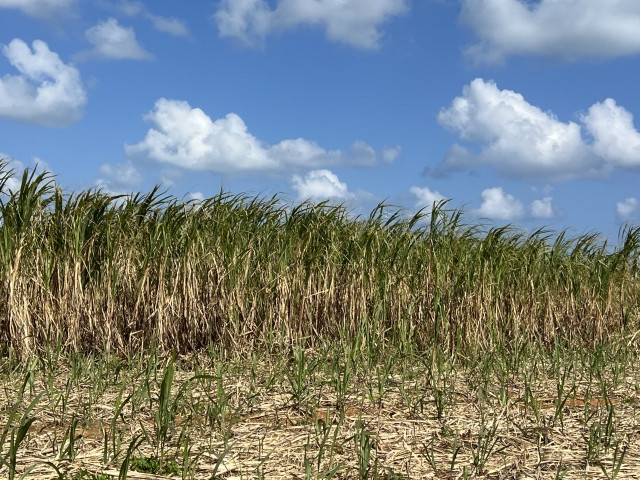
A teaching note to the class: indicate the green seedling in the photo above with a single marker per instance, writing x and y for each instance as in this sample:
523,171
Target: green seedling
617,461
298,376
485,442
429,454
220,461
594,442
16,435
165,412
124,467
365,447
68,447
562,395
115,435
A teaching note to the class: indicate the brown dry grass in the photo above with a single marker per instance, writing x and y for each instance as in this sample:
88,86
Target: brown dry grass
92,272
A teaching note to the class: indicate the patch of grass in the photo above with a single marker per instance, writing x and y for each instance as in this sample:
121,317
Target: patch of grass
154,465
86,475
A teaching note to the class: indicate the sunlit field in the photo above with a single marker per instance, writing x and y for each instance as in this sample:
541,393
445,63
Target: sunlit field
242,337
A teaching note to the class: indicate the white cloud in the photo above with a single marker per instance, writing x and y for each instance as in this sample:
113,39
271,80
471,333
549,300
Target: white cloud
355,22
245,20
119,178
131,9
196,197
123,174
566,29
320,185
542,208
521,140
112,41
187,137
171,25
627,209
615,137
296,152
390,154
47,92
38,8
364,155
517,138
425,197
499,205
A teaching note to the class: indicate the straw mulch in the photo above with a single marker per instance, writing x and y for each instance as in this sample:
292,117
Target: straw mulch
267,434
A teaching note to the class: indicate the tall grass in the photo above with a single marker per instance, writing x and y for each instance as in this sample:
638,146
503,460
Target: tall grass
91,271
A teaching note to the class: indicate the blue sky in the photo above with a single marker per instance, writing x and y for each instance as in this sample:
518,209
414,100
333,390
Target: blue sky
518,111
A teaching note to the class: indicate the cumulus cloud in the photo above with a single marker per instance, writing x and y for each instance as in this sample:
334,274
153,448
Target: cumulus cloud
112,41
517,138
187,137
38,8
320,185
521,140
425,197
355,22
615,137
565,29
627,209
47,91
543,208
498,205
171,25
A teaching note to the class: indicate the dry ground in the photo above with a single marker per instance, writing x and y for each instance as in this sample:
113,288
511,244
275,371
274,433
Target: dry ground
384,424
